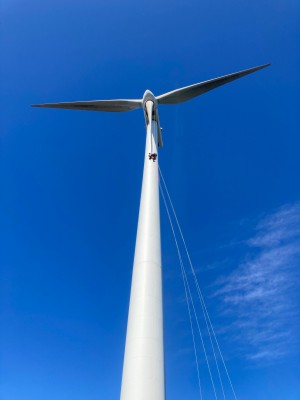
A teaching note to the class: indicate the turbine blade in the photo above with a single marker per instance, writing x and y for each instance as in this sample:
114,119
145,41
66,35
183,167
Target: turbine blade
96,105
188,92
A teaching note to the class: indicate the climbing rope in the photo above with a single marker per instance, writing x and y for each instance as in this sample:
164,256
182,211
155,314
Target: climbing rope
208,322
186,285
186,292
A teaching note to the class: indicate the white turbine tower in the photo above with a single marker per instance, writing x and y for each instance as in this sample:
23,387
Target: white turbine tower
143,369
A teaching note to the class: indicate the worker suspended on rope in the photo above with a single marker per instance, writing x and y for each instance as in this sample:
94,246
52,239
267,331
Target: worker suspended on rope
152,156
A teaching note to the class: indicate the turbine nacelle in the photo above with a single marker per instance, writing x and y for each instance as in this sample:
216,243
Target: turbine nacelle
149,96
151,113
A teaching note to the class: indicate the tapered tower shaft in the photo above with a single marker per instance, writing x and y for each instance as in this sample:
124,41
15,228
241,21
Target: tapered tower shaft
143,369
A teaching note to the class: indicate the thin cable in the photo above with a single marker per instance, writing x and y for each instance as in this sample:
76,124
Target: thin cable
221,355
200,334
151,135
199,291
197,284
190,294
186,294
213,349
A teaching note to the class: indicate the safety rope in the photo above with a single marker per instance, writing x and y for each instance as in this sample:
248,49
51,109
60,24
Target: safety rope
151,138
186,292
190,296
202,302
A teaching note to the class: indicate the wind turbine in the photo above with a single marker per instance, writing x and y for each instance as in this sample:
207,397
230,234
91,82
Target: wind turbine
143,369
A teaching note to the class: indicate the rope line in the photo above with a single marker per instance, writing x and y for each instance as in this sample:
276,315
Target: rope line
190,296
151,135
202,302
186,293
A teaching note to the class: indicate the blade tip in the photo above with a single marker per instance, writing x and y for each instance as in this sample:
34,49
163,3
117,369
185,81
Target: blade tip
264,65
37,105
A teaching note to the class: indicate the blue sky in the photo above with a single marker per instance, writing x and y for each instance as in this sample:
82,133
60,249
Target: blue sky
70,187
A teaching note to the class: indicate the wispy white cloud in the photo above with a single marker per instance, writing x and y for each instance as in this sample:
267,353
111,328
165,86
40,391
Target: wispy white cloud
260,295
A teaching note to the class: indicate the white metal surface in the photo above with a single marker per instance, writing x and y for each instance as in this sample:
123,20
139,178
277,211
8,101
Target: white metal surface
143,370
